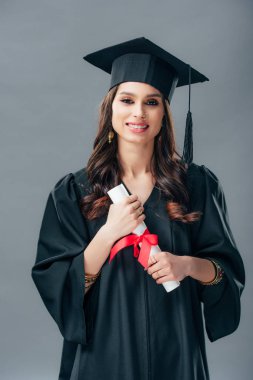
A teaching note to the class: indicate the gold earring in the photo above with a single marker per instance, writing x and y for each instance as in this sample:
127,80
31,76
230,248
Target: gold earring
110,136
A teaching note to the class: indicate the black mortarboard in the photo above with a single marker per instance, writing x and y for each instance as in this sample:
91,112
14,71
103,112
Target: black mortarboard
140,60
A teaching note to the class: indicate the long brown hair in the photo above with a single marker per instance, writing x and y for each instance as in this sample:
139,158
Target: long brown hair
104,170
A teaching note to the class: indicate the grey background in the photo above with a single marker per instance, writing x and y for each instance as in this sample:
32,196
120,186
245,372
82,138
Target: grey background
49,100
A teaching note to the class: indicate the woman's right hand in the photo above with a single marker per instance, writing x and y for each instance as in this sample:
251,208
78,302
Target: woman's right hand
124,217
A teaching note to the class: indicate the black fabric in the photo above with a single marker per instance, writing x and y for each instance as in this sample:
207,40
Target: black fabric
127,327
140,60
147,69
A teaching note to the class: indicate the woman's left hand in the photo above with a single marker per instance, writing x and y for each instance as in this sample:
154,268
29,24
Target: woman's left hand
164,266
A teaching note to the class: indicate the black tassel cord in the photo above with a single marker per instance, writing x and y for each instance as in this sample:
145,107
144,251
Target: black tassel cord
188,141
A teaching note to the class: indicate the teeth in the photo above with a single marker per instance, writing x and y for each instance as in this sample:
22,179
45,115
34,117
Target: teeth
138,126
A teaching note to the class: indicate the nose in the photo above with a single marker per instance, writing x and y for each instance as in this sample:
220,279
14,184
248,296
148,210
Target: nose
139,110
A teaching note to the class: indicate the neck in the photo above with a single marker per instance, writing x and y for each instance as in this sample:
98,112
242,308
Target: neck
135,159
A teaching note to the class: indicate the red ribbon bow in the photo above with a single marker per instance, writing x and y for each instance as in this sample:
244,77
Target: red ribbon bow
147,241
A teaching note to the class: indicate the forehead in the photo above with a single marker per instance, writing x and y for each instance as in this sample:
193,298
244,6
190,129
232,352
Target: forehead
138,89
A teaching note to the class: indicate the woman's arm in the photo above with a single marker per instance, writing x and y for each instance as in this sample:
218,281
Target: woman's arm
98,250
200,269
165,266
122,218
94,256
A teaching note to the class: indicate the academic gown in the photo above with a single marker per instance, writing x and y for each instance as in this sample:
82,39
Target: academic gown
127,326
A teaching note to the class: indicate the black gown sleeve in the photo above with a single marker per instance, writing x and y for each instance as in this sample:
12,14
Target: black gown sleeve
212,238
58,272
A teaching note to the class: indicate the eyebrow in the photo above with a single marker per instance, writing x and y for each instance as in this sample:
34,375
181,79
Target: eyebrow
155,94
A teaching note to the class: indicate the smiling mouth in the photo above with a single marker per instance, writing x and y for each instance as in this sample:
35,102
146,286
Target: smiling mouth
137,126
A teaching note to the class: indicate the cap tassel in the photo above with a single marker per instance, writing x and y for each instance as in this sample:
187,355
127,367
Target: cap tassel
188,141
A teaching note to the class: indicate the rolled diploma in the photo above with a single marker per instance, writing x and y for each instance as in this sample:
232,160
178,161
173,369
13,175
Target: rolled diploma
117,194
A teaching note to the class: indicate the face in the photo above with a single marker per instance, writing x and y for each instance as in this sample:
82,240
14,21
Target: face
137,112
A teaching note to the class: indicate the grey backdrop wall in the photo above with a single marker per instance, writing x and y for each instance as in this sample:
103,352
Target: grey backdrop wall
49,100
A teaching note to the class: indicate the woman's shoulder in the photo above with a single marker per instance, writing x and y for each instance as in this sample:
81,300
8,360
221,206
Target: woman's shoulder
200,172
201,177
80,177
72,181
195,170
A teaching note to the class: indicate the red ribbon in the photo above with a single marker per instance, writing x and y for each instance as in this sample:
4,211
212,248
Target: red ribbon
147,241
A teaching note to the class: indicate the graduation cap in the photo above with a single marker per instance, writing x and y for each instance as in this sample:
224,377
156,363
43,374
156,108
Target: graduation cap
140,60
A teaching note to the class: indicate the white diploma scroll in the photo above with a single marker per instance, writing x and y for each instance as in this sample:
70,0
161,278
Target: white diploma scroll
117,194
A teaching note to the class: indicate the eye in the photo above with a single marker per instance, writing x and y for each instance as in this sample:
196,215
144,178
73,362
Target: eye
126,100
153,102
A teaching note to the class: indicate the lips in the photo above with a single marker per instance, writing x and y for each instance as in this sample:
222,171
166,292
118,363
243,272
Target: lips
137,125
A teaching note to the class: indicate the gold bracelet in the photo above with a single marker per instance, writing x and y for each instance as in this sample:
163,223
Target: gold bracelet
90,281
218,274
87,287
91,277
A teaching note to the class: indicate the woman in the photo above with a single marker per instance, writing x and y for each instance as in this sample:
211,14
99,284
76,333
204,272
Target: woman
116,318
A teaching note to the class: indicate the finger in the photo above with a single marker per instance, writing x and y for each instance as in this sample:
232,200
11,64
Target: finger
166,278
153,268
131,198
152,260
163,279
135,206
139,212
141,218
158,274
